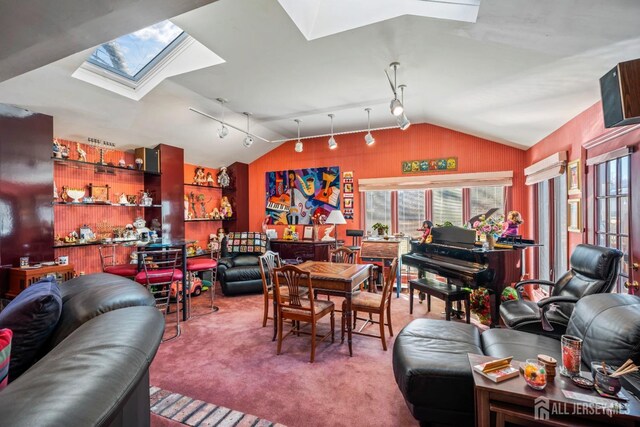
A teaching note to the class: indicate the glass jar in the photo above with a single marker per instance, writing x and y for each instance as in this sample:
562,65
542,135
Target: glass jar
571,355
535,374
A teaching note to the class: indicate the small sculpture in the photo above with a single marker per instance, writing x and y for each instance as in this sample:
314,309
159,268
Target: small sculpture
289,233
215,214
71,237
82,155
223,177
145,199
139,163
209,179
203,209
186,207
129,232
426,232
225,207
122,163
57,149
199,176
64,151
123,199
327,234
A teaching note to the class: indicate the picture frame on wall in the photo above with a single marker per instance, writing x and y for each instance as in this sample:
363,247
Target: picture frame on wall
574,180
574,216
307,233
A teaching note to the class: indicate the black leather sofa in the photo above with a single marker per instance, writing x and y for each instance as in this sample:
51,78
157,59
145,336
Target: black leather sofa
431,365
96,368
239,272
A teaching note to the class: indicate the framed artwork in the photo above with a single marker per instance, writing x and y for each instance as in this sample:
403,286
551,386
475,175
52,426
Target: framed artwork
348,187
348,203
99,193
307,233
430,165
573,178
574,222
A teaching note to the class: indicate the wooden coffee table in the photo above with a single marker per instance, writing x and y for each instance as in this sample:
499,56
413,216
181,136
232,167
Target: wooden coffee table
513,401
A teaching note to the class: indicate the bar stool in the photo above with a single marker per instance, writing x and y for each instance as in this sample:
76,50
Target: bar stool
202,265
108,261
159,272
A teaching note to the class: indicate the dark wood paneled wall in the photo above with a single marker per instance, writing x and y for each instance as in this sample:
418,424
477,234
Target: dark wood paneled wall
172,191
239,174
26,185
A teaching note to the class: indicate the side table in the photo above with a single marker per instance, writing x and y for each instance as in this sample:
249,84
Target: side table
21,278
514,402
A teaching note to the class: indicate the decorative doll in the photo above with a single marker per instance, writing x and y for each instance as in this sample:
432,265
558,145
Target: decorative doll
225,208
209,179
82,155
139,163
214,243
199,177
426,232
186,207
512,223
57,149
215,214
223,177
123,199
122,163
64,151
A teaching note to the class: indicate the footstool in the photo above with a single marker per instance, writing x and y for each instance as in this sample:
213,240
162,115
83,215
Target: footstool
444,291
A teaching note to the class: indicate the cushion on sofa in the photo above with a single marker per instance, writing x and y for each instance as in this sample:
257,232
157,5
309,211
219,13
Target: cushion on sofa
5,356
92,296
32,317
521,345
430,364
246,261
239,274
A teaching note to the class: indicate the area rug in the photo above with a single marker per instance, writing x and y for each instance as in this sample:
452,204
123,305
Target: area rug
228,358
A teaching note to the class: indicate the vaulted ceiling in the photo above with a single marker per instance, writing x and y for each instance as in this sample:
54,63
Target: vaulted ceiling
516,74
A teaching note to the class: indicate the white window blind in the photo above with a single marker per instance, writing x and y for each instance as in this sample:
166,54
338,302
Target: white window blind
378,209
447,205
410,211
484,198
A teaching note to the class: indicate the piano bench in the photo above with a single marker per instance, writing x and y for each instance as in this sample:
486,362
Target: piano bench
444,291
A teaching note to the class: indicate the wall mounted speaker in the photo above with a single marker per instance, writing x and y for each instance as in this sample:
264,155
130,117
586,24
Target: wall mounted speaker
620,90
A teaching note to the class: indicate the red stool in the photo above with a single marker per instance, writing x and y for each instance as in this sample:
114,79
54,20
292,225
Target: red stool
201,265
108,261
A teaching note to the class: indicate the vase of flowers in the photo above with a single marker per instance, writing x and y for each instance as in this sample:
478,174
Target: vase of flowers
382,229
489,229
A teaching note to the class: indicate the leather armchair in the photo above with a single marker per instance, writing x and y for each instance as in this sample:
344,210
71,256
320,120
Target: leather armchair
594,270
239,273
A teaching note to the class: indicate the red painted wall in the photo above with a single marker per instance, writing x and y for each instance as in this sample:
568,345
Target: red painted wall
384,158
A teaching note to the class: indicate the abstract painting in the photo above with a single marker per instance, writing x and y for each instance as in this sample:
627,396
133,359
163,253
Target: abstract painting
298,195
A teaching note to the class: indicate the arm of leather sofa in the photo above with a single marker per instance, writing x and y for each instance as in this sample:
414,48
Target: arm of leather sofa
561,298
90,377
519,285
226,262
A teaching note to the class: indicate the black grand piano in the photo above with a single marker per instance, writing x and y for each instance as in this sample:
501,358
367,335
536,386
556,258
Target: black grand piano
455,255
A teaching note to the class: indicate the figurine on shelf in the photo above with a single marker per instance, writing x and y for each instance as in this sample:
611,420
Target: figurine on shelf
57,149
71,237
199,176
514,219
186,207
139,163
129,232
191,250
223,177
426,232
122,163
203,209
55,192
225,207
214,243
145,199
64,151
82,155
327,234
215,214
192,198
209,179
289,233
123,199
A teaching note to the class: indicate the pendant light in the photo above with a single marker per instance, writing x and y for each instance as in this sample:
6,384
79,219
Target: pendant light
247,139
332,141
222,131
299,146
396,106
368,138
402,120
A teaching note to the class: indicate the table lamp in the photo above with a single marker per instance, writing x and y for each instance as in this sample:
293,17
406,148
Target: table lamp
335,217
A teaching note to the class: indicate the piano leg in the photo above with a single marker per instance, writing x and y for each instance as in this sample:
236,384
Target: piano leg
494,301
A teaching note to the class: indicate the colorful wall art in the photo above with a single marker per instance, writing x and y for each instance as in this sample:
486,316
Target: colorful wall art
430,165
298,196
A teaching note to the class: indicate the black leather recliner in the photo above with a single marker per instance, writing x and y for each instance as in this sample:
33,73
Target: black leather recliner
593,270
239,272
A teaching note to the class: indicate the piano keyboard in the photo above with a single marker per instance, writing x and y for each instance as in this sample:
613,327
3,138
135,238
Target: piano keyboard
277,207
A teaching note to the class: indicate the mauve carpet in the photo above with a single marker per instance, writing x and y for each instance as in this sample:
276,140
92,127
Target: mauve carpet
228,358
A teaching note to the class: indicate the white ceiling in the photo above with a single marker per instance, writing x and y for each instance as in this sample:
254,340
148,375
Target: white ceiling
517,74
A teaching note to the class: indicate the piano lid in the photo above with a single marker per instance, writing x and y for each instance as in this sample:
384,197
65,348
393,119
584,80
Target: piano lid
486,215
454,236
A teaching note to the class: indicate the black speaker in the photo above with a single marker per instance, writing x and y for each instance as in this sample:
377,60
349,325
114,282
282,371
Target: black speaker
150,159
620,91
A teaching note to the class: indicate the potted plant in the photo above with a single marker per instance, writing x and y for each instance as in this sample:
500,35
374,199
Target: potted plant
382,229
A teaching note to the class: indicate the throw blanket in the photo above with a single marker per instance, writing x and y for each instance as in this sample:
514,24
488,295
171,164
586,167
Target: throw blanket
246,242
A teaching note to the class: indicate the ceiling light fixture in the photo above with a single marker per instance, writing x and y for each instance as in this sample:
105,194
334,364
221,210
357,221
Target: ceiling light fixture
299,147
229,125
396,106
222,131
332,141
368,138
402,120
247,139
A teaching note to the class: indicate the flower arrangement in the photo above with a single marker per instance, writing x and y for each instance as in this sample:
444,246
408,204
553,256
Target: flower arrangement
492,226
480,302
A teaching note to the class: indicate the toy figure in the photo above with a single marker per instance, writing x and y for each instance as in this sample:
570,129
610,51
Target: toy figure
209,179
223,177
82,155
289,232
145,199
57,150
192,198
225,207
122,163
215,214
426,232
186,207
199,177
123,199
512,223
64,151
214,243
139,163
203,209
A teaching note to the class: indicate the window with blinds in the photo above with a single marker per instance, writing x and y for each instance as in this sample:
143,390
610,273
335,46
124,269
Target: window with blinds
484,198
410,211
378,209
447,205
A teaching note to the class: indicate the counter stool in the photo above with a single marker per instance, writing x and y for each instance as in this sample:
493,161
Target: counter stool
108,262
159,272
201,265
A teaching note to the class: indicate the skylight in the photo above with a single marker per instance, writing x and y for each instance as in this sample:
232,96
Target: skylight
133,55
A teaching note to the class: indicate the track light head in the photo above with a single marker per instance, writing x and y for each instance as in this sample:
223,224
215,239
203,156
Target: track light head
332,143
396,107
248,141
369,139
403,122
223,131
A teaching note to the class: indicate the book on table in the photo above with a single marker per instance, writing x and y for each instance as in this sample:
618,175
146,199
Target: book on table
497,370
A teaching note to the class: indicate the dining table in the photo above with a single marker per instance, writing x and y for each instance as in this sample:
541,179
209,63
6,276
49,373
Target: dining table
339,279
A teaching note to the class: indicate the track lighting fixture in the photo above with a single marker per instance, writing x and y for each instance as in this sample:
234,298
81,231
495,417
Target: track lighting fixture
247,139
299,146
223,130
396,106
332,141
368,138
402,120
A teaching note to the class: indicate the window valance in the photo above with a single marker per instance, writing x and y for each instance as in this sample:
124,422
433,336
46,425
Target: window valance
480,179
546,169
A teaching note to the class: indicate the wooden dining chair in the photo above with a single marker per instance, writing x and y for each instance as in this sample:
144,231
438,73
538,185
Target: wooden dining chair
297,308
373,303
343,255
268,262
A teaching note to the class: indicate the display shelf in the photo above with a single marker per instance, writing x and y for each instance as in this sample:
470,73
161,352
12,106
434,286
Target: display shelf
208,219
205,253
98,166
77,244
213,187
104,205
